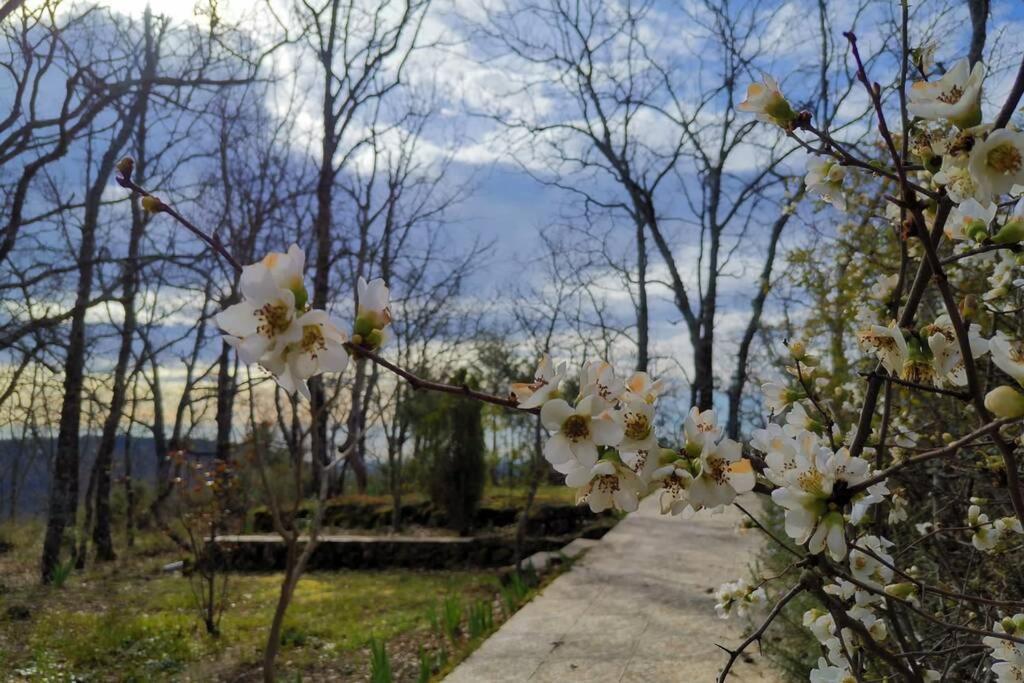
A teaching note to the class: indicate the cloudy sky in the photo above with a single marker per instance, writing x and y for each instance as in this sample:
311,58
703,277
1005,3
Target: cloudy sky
513,202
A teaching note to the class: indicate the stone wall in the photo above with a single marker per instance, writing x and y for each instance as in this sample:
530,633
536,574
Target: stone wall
545,520
267,553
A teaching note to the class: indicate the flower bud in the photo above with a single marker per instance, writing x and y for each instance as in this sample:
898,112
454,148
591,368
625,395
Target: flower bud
901,591
976,230
968,306
301,296
125,167
363,327
667,456
151,204
973,515
1005,401
375,339
1011,233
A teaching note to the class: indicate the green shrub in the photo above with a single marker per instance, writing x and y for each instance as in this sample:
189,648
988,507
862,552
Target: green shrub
450,437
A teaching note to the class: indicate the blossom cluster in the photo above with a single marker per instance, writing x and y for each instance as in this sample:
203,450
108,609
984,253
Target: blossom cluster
605,443
275,326
739,598
977,166
976,171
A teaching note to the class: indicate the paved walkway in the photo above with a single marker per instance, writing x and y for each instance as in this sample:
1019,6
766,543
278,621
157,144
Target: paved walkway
638,607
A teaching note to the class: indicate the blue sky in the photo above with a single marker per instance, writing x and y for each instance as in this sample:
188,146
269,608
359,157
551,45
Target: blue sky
511,208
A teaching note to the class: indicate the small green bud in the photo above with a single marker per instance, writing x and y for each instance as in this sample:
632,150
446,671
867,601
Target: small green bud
1011,233
375,339
977,231
902,591
363,326
301,297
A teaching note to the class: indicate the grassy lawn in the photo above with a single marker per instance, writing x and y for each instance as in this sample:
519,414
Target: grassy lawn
127,621
547,494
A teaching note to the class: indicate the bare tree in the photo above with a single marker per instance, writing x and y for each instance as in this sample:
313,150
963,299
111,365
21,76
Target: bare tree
361,49
637,137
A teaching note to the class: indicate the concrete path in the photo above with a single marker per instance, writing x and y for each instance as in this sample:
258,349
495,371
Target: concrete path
638,607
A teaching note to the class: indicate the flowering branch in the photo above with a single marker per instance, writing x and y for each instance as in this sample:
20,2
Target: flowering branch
418,383
950,449
152,204
759,632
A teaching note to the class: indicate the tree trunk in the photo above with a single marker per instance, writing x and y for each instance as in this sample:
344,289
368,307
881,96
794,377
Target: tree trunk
83,540
225,402
642,324
322,264
274,635
739,381
535,475
356,421
63,504
105,453
979,19
129,486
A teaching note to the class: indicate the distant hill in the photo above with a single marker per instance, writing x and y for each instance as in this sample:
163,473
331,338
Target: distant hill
33,492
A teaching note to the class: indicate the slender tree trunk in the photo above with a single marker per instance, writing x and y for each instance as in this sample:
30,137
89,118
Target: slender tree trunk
283,600
395,467
108,441
12,503
642,323
225,402
356,420
322,264
536,471
129,486
739,380
105,453
979,19
162,450
63,506
83,540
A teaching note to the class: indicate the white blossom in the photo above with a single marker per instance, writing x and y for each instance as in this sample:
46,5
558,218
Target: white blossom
997,162
955,97
766,101
373,313
544,386
738,597
825,178
1008,356
1009,666
576,433
810,516
606,484
970,220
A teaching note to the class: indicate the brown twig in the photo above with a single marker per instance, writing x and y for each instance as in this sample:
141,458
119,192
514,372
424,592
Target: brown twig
757,635
962,395
951,449
419,383
124,179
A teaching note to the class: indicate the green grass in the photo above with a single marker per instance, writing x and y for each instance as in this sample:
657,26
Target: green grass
547,494
128,621
144,627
